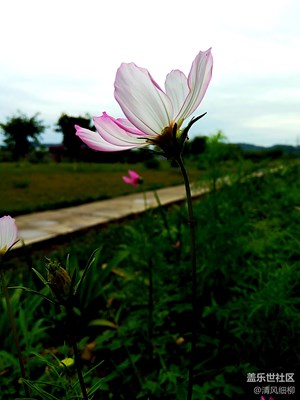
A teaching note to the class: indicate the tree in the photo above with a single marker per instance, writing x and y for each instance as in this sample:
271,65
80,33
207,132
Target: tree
194,147
22,134
66,125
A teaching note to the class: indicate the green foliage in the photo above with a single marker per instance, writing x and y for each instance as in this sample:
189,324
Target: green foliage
66,125
32,327
133,320
21,134
257,156
194,147
152,163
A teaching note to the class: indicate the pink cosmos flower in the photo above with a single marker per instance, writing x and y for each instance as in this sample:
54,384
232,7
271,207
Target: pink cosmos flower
8,233
263,398
153,116
133,179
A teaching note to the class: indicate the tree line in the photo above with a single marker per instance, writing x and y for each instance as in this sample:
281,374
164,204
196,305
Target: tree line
22,140
22,134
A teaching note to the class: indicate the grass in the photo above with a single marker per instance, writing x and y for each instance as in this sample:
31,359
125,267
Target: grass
249,280
32,187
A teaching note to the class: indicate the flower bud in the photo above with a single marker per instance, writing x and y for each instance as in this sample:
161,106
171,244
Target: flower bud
59,279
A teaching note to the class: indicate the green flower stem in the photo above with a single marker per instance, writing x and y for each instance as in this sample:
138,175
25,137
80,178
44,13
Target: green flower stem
79,369
132,363
150,287
194,275
150,300
73,342
163,215
15,335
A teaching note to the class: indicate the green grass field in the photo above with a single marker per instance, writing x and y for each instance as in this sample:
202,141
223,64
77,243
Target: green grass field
29,187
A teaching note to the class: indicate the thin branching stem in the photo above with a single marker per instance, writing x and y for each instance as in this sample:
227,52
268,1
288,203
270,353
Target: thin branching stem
194,275
150,300
73,341
14,330
79,369
163,215
150,283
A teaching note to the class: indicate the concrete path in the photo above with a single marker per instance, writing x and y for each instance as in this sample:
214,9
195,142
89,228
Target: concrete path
47,225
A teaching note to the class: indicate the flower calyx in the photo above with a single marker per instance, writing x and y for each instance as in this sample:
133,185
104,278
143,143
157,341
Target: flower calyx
171,141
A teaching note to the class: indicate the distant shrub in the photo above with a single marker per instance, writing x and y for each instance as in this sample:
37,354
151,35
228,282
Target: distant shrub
38,156
263,155
152,163
20,184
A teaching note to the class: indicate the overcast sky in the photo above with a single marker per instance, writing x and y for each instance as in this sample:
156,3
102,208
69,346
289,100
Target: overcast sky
62,55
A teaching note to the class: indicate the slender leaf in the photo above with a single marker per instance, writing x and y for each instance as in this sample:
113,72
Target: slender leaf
34,292
88,266
103,322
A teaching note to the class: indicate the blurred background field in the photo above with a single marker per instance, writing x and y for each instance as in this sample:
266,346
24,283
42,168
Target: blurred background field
27,187
36,176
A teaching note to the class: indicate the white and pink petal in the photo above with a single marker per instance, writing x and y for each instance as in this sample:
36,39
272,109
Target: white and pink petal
117,132
198,81
8,233
96,142
143,102
109,136
177,89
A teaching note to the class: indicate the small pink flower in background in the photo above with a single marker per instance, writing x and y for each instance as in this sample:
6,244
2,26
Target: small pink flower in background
133,179
8,233
263,398
152,115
